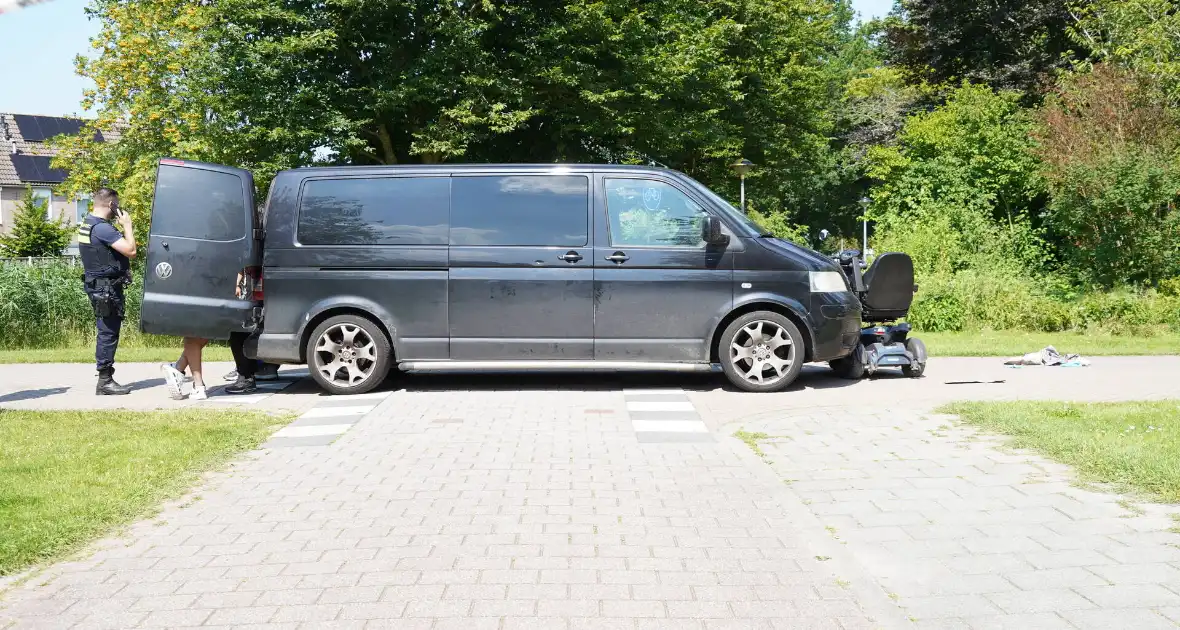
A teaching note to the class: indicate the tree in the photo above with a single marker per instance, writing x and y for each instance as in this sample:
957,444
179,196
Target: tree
961,186
1142,35
33,234
272,84
1007,44
1111,150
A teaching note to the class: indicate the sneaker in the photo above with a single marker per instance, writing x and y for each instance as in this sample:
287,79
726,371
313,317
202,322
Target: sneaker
268,372
242,386
232,376
174,380
198,393
184,376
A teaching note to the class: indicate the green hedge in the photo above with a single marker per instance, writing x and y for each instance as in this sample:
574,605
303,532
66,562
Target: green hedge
42,305
972,301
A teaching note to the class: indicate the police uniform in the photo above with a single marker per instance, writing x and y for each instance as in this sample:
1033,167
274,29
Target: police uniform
107,272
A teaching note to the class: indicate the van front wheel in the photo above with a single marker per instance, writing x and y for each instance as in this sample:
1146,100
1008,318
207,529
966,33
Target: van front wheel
348,354
762,352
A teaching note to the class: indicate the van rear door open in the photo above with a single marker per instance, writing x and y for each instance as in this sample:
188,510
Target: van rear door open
202,236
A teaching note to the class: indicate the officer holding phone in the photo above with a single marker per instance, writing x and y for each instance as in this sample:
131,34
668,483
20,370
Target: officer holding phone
106,255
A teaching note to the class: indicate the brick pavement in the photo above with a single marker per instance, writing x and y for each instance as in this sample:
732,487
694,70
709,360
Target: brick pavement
964,533
504,509
531,502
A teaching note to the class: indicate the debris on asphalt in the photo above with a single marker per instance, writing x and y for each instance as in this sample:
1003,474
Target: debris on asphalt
1050,357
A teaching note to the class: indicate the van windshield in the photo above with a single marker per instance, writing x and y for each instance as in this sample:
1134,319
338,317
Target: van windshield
731,212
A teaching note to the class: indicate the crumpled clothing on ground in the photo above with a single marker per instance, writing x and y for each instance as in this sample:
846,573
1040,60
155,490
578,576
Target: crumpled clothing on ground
1049,356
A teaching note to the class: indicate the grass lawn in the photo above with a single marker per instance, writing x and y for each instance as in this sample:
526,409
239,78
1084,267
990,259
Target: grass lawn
1012,344
85,354
1134,446
68,477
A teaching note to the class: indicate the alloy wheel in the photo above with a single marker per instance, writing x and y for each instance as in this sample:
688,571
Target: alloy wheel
762,352
345,355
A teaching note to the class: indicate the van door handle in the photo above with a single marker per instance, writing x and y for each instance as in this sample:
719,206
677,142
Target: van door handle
618,258
571,257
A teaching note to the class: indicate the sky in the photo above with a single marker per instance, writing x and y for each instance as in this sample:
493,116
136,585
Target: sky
38,45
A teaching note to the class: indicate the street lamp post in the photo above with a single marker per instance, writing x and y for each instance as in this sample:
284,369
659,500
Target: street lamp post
741,167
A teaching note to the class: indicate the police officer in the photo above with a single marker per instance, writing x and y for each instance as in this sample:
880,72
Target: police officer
106,258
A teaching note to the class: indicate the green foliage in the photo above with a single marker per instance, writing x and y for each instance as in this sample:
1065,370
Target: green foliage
1006,44
33,233
42,305
1141,35
1111,152
979,300
960,188
267,84
781,226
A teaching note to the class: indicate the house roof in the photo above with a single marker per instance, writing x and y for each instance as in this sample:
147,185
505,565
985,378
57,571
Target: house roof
24,153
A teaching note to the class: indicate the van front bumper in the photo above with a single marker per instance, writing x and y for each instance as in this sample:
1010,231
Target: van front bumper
836,321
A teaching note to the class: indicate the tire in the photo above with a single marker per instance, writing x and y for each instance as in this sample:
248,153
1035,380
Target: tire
741,353
851,367
918,350
364,363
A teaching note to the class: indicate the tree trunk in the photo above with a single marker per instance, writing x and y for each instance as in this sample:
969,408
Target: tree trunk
387,154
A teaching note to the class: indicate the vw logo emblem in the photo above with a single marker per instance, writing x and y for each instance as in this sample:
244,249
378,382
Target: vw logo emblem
163,271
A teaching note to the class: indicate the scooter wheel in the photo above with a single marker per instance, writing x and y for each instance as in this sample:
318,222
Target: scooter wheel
851,367
917,349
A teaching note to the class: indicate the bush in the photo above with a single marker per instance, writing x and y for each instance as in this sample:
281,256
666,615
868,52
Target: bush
975,301
1110,144
33,233
42,305
937,306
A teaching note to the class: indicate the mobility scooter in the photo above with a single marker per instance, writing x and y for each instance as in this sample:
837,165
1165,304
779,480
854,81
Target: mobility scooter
886,291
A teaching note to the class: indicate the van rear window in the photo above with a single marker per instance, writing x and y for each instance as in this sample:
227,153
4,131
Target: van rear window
199,204
375,211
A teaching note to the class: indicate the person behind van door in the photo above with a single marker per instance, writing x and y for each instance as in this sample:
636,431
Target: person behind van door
263,371
246,368
106,255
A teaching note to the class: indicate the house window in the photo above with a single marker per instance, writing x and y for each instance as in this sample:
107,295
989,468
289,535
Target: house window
83,208
45,195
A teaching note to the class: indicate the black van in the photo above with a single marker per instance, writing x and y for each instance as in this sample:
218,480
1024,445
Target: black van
488,267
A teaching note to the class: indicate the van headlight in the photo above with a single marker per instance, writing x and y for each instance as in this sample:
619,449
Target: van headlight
827,282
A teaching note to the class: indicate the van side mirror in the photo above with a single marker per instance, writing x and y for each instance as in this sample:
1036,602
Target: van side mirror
711,232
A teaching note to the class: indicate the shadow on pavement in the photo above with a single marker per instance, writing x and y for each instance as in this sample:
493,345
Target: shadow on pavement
812,377
33,394
145,384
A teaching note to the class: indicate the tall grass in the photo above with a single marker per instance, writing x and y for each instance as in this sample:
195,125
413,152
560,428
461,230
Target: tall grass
42,305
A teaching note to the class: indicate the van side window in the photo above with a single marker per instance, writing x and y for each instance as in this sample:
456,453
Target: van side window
520,210
199,204
374,211
650,213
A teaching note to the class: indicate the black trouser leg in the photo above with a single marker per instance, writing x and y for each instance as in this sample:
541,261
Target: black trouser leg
237,344
106,342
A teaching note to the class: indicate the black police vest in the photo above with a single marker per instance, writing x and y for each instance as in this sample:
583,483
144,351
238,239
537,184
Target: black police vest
98,259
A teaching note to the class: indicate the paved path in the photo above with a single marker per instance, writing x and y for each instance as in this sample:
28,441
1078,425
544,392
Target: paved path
71,386
592,502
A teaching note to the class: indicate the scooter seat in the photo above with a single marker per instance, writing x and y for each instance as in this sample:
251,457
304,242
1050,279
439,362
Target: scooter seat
889,288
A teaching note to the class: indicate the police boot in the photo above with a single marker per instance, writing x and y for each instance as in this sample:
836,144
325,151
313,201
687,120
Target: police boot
107,385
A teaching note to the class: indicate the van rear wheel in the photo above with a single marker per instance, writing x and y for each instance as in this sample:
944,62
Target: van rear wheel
762,352
348,354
